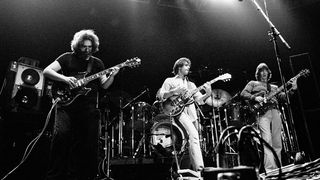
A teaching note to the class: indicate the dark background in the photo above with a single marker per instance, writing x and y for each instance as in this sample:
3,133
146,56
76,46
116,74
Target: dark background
231,35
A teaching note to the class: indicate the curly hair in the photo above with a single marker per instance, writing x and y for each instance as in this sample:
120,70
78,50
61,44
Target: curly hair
179,63
85,34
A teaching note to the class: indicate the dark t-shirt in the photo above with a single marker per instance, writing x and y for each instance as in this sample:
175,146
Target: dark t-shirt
71,65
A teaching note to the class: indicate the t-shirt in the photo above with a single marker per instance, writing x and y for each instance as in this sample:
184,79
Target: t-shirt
72,65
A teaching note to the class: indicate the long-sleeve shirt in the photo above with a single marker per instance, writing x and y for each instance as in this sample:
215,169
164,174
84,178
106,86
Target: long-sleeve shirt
173,82
258,88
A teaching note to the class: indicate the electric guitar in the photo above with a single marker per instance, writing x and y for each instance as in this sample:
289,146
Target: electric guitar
175,104
67,94
262,107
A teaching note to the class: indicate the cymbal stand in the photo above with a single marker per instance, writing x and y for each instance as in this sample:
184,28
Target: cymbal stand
214,134
132,130
132,120
144,133
227,125
120,137
199,127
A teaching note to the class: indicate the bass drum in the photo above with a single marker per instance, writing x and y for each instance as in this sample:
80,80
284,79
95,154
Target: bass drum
162,139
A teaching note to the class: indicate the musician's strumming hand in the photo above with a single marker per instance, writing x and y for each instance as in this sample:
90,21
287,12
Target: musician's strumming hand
71,81
179,90
260,99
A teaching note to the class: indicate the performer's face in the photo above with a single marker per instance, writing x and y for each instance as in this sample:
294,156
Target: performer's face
264,75
184,70
86,48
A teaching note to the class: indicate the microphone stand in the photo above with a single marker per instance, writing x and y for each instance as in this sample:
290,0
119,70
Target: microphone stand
274,33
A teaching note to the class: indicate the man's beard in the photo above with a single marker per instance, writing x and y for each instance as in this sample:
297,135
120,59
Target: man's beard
84,55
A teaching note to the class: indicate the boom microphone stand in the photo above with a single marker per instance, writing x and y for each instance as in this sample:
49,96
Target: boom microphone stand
274,33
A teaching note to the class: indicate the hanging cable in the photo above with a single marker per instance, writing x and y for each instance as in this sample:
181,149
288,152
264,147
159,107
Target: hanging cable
31,145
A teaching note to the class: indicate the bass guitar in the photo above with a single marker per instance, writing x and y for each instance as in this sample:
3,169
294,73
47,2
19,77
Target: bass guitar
67,94
263,107
175,104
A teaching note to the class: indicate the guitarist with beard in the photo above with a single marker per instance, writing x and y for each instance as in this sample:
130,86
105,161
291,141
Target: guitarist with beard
269,120
175,86
74,145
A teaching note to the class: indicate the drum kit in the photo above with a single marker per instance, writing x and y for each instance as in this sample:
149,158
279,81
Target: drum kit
143,130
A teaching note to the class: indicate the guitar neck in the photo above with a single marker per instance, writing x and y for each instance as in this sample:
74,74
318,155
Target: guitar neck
200,87
101,73
281,88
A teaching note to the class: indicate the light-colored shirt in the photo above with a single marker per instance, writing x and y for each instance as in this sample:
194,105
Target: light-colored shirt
176,81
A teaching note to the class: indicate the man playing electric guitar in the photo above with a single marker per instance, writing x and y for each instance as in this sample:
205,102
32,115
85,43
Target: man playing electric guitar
74,144
268,121
180,85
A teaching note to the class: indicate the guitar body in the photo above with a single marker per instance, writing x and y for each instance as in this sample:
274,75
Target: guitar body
66,94
175,105
259,108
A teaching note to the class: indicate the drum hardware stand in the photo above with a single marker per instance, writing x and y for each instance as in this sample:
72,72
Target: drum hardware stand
231,150
105,164
274,33
213,124
142,142
112,141
132,120
132,130
199,127
120,138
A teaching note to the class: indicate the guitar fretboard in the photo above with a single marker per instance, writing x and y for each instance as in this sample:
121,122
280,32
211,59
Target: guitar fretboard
281,88
101,73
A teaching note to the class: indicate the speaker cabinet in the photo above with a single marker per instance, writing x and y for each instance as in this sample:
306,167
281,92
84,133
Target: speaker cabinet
27,88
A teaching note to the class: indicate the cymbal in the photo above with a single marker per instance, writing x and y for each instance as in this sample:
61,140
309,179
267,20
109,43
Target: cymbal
219,97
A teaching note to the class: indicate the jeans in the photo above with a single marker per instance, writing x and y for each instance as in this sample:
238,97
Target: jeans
270,128
195,153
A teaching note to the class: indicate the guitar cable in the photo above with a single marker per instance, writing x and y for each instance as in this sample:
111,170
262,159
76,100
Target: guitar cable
31,145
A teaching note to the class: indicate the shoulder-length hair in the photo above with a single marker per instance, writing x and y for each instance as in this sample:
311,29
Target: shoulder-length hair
179,63
81,36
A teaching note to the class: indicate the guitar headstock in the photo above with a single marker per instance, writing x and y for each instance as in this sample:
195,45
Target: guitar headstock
224,77
133,62
304,72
